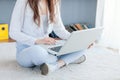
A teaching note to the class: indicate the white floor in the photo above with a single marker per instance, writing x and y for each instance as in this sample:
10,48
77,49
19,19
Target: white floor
101,64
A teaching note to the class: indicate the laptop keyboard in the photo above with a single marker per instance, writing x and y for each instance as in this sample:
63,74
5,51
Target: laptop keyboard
56,49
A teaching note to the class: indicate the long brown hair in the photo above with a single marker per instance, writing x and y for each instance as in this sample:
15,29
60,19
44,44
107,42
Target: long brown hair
51,8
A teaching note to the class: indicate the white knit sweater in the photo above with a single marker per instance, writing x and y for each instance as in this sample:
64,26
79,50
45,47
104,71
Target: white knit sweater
24,30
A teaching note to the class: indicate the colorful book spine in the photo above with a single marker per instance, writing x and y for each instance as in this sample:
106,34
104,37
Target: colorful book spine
79,26
73,27
84,26
68,28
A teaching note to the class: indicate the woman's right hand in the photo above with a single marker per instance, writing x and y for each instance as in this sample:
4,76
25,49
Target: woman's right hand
47,41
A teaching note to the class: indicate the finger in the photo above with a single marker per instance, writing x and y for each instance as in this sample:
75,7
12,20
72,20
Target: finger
89,47
48,43
53,41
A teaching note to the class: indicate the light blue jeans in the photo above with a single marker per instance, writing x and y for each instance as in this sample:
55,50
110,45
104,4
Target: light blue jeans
29,56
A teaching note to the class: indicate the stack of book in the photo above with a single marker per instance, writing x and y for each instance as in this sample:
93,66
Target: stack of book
76,27
71,28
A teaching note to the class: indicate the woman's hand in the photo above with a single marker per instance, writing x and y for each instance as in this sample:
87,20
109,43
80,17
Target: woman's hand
90,45
47,41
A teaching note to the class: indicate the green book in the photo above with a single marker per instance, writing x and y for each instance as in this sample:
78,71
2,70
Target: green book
84,26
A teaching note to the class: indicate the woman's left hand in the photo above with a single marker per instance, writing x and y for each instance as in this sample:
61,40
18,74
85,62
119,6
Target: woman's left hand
90,45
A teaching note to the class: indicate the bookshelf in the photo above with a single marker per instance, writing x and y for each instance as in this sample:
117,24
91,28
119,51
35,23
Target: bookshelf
7,40
72,12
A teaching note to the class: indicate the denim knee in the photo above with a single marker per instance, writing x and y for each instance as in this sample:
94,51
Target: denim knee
34,55
39,55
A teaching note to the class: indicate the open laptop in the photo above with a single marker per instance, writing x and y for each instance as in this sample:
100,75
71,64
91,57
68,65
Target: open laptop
79,40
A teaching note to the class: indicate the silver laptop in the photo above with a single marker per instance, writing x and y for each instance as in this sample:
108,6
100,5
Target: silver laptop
79,40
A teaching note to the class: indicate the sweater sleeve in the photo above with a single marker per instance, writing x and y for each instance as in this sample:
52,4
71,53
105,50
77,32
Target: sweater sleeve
59,28
16,24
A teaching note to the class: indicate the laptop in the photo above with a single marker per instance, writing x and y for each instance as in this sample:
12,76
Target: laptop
79,40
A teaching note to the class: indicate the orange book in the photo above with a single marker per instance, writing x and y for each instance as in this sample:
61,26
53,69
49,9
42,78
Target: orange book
79,26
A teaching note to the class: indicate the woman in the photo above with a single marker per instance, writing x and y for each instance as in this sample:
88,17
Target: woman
32,22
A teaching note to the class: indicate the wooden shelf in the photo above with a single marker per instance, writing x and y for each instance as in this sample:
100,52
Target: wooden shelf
7,40
11,40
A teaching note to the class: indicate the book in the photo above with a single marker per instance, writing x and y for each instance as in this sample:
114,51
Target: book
73,27
84,26
79,26
67,27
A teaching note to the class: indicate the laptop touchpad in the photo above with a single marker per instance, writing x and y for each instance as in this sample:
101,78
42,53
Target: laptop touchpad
56,49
